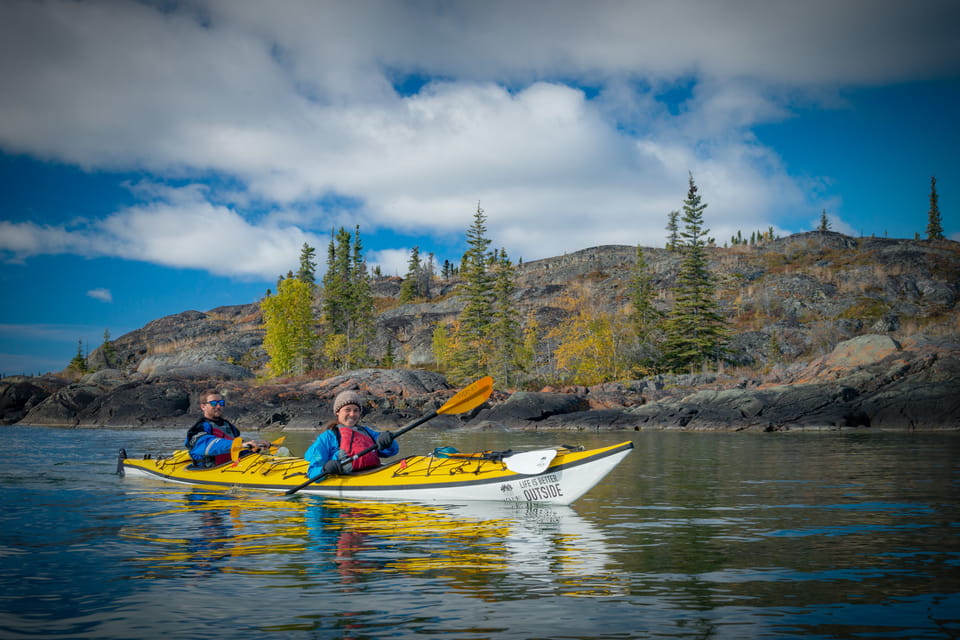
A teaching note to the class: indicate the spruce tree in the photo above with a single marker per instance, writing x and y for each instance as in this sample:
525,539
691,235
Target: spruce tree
824,221
308,265
673,231
107,350
471,350
505,335
934,227
362,317
695,329
448,270
78,364
427,272
336,283
410,287
348,310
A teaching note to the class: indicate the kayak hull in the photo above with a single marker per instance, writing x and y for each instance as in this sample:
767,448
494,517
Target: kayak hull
473,477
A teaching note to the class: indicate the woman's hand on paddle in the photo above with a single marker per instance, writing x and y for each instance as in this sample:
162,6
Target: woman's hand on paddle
333,468
384,440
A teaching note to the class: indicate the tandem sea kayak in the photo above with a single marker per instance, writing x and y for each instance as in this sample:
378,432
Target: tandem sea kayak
557,475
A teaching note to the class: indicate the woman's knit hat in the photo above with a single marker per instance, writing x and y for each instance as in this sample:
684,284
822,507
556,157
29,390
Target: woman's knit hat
344,398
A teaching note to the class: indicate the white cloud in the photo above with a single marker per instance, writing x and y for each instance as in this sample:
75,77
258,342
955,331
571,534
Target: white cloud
294,101
392,262
181,231
102,295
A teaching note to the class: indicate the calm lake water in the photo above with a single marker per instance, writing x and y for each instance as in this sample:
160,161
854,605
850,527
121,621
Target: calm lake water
853,535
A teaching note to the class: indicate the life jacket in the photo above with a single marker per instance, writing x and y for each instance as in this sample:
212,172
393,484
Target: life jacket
223,457
198,430
352,442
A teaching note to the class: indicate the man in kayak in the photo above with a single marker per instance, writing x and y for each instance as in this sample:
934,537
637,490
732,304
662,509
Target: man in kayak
211,438
330,452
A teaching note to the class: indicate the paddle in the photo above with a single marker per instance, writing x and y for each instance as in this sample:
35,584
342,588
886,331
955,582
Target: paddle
468,398
530,463
237,447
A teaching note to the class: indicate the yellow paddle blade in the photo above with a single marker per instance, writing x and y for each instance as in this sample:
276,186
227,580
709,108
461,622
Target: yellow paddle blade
235,449
469,397
275,444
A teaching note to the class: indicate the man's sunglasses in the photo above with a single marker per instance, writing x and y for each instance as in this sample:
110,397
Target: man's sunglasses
216,403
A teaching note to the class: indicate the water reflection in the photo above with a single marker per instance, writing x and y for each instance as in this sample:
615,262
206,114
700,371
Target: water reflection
489,551
694,536
209,546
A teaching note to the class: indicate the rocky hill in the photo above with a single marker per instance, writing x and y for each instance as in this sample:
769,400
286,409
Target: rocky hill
795,306
787,299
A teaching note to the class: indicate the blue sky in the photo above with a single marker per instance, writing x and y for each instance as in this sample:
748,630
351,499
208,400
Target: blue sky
157,157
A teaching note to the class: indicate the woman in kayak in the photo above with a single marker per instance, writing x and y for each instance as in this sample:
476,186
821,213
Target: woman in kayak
330,453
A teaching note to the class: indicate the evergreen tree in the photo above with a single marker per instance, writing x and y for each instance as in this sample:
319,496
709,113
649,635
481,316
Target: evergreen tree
308,265
427,274
410,287
348,310
448,270
471,349
673,231
934,227
695,329
107,350
505,335
824,221
362,317
336,283
78,364
288,320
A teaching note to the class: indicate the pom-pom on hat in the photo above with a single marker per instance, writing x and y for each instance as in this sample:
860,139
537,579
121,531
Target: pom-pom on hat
344,398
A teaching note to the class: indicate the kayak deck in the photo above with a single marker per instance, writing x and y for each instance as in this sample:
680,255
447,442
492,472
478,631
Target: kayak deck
481,476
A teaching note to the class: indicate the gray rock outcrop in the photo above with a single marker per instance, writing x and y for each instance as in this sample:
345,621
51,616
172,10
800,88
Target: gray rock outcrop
869,382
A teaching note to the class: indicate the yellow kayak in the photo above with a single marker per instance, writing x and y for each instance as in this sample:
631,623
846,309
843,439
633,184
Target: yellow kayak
557,475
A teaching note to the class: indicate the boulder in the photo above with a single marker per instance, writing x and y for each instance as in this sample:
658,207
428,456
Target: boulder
528,406
20,394
149,403
61,409
188,366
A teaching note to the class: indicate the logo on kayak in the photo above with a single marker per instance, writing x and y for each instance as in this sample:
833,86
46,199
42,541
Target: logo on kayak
507,488
543,487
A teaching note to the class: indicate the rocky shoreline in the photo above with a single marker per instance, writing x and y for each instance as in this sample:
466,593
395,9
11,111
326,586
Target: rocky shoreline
871,382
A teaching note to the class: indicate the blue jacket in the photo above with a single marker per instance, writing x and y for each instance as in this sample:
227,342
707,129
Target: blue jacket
208,439
327,447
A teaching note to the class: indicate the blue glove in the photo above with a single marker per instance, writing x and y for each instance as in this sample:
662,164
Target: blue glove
384,440
333,467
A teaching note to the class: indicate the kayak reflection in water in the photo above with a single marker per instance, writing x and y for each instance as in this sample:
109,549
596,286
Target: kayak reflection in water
339,537
211,545
345,437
